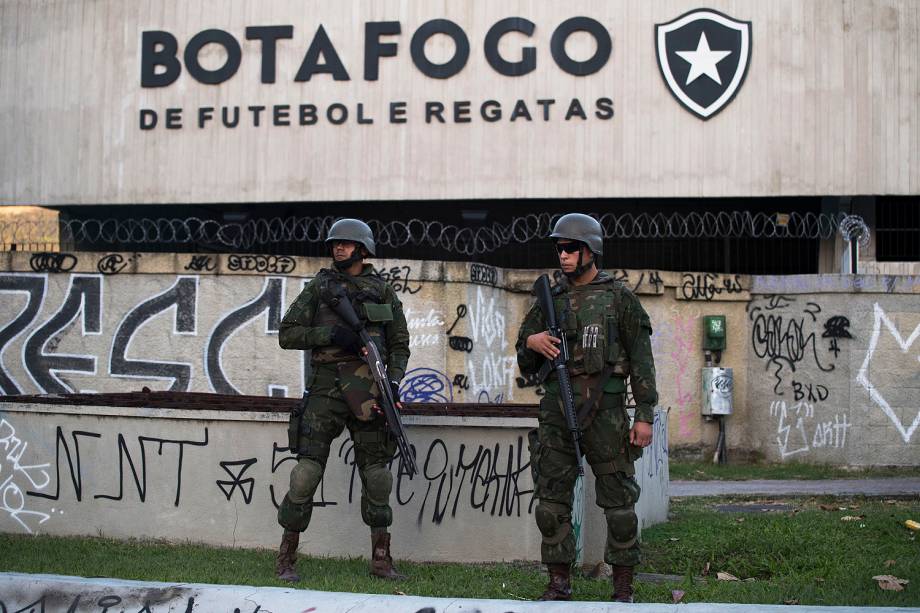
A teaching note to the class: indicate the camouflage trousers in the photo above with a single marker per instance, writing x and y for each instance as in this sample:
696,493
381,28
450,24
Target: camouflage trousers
326,416
606,447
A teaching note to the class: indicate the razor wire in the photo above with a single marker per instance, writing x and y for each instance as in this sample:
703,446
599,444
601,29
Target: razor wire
852,227
451,238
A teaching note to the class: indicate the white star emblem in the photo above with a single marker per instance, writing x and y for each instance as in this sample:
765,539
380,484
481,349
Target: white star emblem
703,61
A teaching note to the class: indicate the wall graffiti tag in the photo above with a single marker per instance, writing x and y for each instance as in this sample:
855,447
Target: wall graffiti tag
881,322
52,262
785,341
182,299
272,264
84,300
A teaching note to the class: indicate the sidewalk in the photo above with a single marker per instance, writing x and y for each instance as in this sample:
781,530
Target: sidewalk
896,486
22,592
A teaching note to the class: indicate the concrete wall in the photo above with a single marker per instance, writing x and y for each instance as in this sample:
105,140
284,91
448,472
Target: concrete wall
217,477
828,106
118,322
834,371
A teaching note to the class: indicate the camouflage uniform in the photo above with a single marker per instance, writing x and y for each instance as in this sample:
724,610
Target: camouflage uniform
608,333
342,393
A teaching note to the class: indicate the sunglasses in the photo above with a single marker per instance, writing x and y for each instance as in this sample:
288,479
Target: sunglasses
574,247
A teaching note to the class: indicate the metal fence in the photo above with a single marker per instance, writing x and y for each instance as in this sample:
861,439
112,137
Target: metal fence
718,241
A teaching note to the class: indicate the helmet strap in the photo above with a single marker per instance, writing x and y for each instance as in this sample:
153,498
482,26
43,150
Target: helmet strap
356,256
582,265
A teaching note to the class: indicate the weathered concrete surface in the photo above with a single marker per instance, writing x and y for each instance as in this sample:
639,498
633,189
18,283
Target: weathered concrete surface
208,323
834,377
826,367
217,477
21,592
833,487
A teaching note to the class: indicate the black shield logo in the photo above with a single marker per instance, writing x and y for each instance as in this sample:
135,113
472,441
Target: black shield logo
703,56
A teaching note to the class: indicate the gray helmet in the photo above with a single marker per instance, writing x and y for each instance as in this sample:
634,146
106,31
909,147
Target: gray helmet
352,230
580,227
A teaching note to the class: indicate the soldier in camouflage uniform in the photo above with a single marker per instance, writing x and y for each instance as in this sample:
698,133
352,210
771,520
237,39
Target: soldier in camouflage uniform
608,333
342,392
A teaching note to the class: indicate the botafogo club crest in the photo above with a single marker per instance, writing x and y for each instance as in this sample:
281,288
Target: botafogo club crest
703,56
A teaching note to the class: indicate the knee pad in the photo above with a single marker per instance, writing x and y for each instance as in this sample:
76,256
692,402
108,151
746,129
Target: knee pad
378,482
375,497
305,478
622,527
554,521
295,517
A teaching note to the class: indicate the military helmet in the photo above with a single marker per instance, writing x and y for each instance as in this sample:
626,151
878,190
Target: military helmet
580,227
353,230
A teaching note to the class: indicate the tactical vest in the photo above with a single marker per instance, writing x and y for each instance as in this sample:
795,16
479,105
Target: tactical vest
588,315
367,295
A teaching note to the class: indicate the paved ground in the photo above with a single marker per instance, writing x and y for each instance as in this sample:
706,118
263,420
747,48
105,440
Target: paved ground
33,593
897,486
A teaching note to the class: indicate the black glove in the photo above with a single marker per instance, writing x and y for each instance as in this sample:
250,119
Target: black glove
394,385
346,339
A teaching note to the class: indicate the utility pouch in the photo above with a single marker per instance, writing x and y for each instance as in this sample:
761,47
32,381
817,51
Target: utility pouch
294,422
533,445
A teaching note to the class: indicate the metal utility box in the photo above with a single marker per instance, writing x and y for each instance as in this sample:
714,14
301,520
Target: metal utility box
714,333
717,390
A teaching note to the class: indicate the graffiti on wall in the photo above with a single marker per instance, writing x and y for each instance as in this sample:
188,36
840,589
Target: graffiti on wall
908,360
454,478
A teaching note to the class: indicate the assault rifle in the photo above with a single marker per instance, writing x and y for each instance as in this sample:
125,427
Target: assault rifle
338,301
545,299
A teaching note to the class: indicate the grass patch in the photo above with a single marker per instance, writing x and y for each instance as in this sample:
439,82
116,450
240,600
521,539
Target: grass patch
806,554
809,554
707,471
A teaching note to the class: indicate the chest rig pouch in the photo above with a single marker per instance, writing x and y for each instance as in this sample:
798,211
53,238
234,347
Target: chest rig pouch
598,356
354,379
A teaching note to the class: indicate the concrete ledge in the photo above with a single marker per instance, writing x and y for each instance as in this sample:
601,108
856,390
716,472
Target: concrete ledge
217,477
23,592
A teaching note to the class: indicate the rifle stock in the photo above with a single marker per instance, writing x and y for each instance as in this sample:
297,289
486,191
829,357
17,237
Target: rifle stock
545,300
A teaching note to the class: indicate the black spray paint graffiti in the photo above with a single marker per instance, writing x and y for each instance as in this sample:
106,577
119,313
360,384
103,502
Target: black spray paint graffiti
461,383
52,262
784,341
282,455
482,274
460,343
486,479
269,301
114,263
137,465
201,263
34,290
812,392
398,278
530,380
705,286
834,328
182,298
272,264
652,278
84,298
236,470
153,601
461,313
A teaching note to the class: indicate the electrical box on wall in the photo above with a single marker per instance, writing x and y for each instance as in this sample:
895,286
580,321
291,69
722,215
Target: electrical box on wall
718,384
714,333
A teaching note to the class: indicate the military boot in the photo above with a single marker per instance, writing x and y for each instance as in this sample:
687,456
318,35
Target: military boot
381,562
287,557
560,586
622,583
